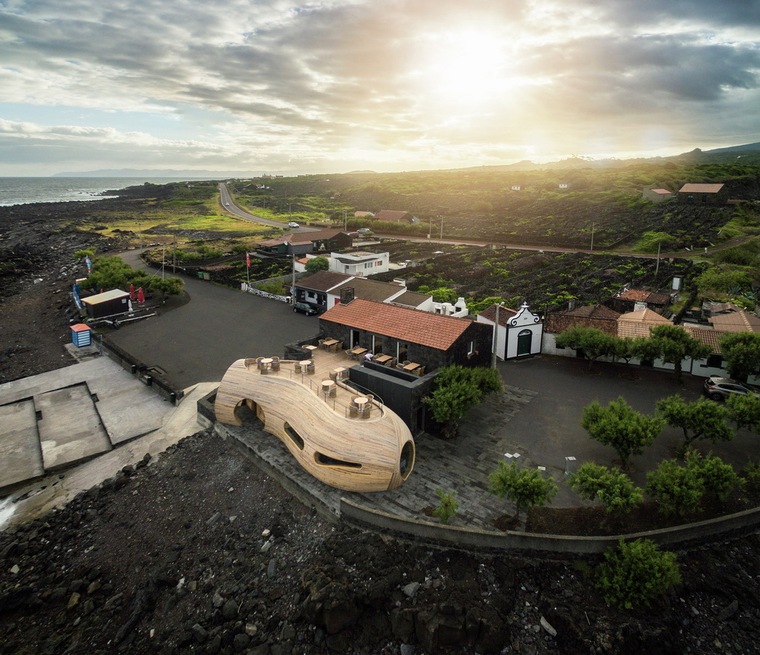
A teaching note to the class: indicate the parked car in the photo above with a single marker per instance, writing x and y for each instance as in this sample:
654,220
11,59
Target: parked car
718,388
363,231
305,308
293,224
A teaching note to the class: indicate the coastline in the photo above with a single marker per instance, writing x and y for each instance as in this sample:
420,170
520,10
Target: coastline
16,191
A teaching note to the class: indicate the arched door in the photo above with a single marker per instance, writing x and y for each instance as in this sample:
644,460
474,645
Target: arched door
524,342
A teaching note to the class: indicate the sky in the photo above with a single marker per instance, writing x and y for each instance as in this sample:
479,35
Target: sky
280,87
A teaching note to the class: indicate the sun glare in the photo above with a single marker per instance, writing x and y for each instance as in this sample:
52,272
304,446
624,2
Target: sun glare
466,68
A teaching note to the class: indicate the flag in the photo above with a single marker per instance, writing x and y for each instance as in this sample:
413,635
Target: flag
248,259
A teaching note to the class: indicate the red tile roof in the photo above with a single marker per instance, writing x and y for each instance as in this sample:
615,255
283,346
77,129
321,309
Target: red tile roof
410,325
392,215
692,187
639,323
705,336
505,313
739,321
599,312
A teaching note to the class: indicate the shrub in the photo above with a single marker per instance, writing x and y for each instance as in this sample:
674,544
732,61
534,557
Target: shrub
752,476
524,487
677,489
717,477
277,288
635,573
609,486
448,506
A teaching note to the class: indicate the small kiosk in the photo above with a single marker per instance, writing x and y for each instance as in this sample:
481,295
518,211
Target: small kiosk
81,335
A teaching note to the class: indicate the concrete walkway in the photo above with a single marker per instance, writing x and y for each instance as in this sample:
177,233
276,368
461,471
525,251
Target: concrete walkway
65,431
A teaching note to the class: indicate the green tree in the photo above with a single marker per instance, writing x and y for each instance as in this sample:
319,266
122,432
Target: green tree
637,572
447,507
717,476
608,486
741,350
673,344
719,283
620,426
444,294
677,489
702,419
114,273
626,349
591,341
744,411
457,389
317,264
524,487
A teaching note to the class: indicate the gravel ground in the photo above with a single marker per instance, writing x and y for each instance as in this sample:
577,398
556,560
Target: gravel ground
198,551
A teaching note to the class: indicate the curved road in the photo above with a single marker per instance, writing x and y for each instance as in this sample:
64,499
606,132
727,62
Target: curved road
230,206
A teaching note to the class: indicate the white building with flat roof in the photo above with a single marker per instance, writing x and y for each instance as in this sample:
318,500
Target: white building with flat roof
360,264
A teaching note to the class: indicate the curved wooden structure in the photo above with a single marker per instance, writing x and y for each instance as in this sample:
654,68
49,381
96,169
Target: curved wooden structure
346,440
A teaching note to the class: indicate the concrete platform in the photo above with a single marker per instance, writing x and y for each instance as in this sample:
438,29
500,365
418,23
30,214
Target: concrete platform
20,446
57,419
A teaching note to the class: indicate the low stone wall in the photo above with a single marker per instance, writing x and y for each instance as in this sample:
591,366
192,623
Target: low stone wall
482,541
489,542
141,371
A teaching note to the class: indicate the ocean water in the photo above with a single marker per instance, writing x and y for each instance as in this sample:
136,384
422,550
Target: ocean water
25,190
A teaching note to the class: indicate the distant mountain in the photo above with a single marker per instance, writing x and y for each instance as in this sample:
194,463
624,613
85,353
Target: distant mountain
150,172
716,155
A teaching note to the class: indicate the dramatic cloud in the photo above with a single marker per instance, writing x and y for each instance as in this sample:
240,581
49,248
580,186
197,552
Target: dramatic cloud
274,86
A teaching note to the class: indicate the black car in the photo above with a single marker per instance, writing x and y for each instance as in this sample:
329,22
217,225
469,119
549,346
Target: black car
305,308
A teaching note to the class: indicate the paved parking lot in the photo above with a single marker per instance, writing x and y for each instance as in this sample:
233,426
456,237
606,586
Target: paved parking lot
538,416
199,340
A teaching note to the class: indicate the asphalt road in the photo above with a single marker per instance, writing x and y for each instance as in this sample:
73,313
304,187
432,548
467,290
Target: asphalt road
199,340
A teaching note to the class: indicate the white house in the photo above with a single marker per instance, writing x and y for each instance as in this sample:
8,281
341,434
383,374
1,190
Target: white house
360,263
519,333
458,309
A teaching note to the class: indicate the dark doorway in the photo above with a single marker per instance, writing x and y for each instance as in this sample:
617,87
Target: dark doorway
524,342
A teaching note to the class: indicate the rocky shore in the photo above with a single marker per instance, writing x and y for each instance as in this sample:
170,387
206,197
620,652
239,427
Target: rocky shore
197,551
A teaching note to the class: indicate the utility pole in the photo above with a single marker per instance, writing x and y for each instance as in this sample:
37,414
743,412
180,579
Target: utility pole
293,284
163,261
430,229
657,268
345,221
592,236
441,228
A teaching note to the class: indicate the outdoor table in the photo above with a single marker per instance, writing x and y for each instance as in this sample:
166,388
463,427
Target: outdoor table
265,363
383,359
340,372
328,387
361,402
310,348
329,343
411,366
357,351
304,365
